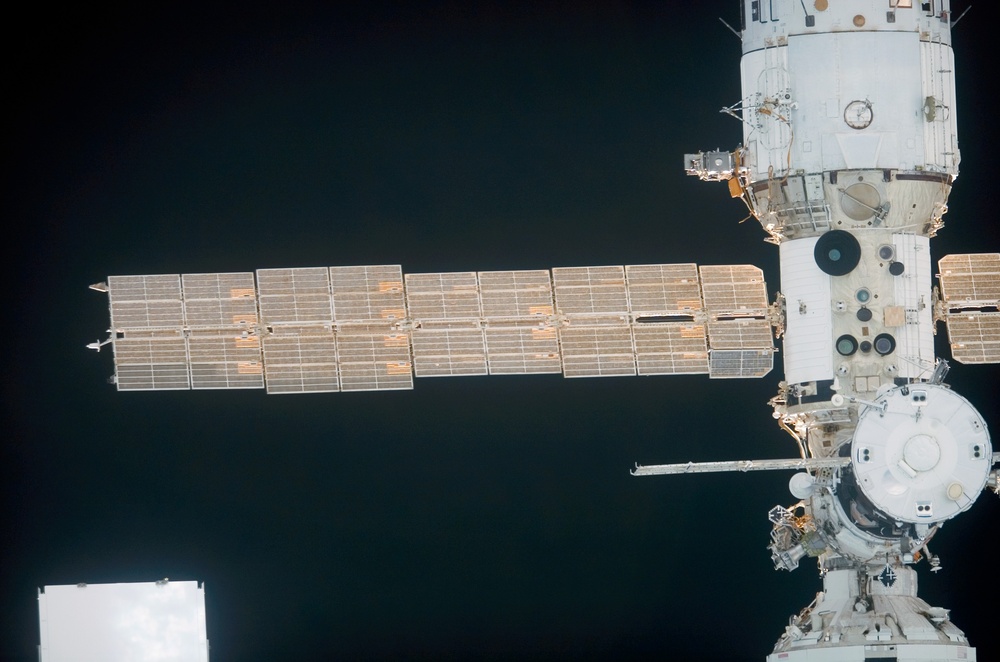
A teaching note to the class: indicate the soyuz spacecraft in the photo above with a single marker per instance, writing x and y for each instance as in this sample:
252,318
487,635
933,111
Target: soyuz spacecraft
849,153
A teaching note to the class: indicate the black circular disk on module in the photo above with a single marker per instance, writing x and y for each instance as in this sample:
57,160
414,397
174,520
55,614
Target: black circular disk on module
884,344
837,252
846,345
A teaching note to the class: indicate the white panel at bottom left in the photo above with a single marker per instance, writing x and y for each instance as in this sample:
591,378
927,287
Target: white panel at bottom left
162,621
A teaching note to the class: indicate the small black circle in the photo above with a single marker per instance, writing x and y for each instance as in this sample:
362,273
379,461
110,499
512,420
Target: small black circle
886,252
864,314
837,252
896,268
865,346
884,344
846,345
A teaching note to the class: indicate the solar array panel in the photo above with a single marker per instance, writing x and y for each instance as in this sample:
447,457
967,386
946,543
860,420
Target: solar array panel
670,348
970,280
970,293
326,329
590,291
145,302
367,294
974,337
593,350
295,296
197,331
739,333
152,363
522,346
301,359
444,296
663,289
219,359
219,300
515,294
734,289
374,359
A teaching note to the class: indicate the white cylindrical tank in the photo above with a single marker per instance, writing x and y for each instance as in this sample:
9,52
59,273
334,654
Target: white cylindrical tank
848,86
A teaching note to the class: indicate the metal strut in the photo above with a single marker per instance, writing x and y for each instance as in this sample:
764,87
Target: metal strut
740,465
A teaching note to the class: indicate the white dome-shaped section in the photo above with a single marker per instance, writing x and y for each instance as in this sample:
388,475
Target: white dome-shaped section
924,456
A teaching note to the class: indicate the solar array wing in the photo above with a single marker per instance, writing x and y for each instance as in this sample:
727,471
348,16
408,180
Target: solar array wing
326,329
970,292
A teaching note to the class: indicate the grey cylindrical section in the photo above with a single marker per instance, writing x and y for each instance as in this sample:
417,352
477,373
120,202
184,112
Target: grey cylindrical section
766,22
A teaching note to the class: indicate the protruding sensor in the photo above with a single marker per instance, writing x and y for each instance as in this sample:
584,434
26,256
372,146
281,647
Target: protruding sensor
802,485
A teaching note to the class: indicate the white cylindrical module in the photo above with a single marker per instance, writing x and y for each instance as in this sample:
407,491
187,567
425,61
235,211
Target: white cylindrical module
850,149
846,88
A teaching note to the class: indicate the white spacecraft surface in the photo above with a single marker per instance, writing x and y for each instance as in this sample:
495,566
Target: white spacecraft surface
849,152
162,620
